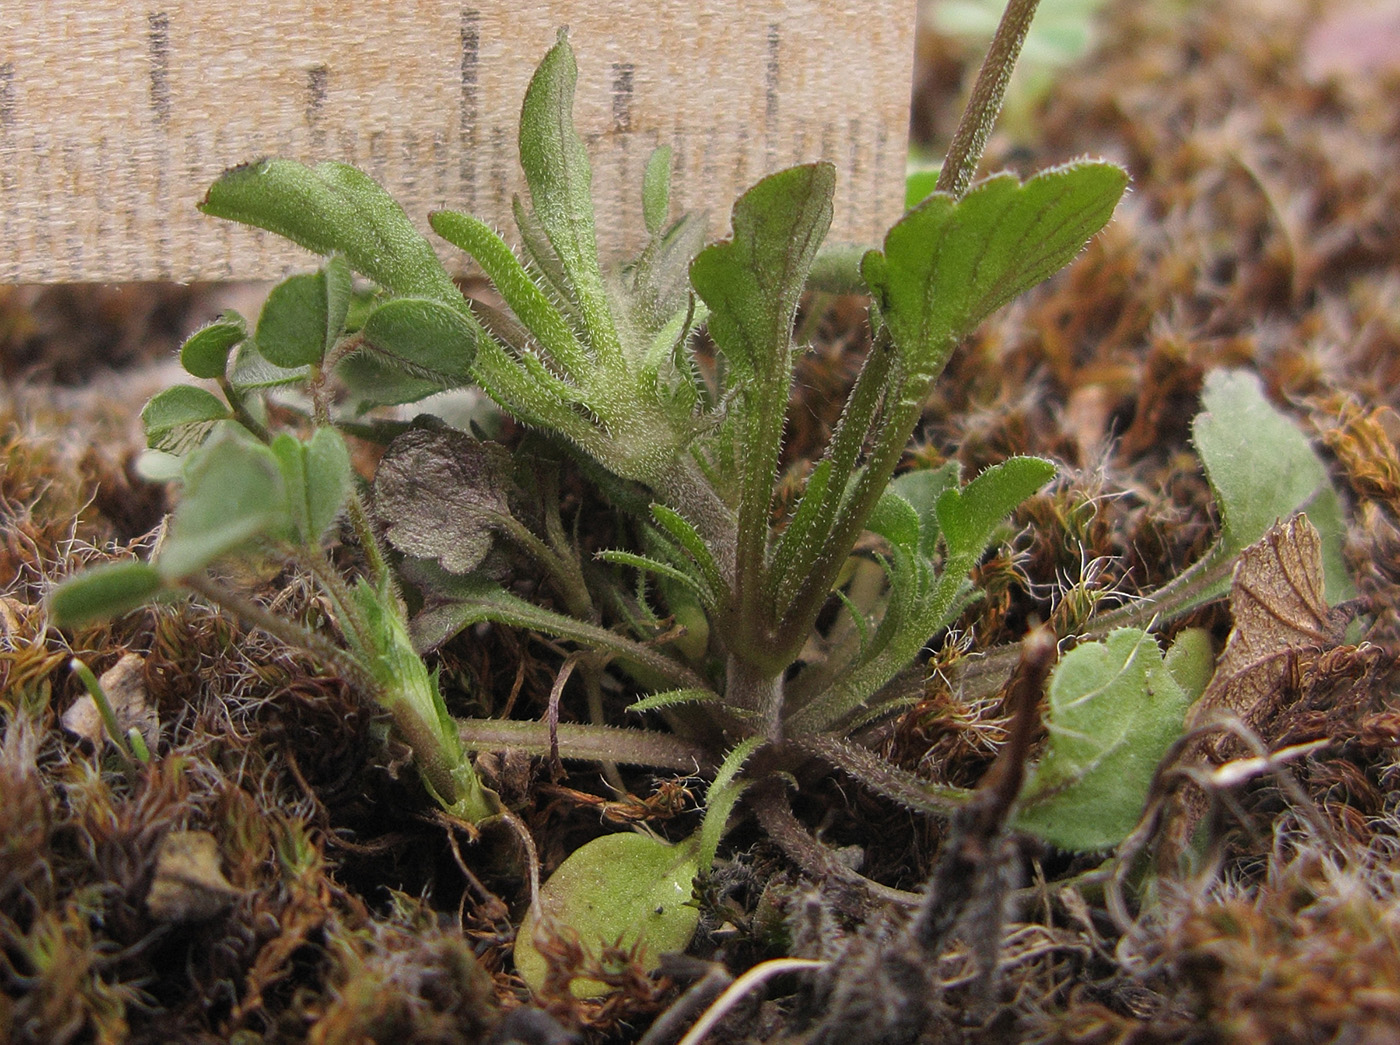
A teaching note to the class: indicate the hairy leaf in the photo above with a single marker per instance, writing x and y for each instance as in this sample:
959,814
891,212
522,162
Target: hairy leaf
423,338
970,516
205,352
1262,470
318,479
251,370
656,190
334,208
1114,710
753,281
234,493
527,300
102,592
180,416
292,326
948,263
560,180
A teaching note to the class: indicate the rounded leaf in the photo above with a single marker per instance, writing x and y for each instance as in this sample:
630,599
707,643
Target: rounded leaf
292,327
423,337
170,416
626,890
205,352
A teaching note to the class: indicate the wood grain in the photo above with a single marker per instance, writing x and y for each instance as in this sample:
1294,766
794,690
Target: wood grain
115,117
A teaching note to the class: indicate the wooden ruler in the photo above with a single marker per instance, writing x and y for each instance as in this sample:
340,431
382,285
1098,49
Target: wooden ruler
115,117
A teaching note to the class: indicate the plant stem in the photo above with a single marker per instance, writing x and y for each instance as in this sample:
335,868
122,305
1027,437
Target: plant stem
757,689
965,150
852,431
633,747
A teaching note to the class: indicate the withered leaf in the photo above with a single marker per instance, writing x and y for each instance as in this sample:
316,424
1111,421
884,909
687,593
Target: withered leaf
189,885
1279,610
442,494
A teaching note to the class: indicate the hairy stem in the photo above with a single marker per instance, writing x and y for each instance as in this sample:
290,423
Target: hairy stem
965,150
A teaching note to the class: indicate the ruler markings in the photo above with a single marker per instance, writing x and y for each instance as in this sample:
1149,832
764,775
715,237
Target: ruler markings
114,119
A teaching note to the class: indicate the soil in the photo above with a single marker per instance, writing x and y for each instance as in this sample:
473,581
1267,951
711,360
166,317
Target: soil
274,874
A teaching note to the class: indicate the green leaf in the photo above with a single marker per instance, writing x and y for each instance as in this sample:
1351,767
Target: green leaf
234,493
411,696
524,296
1115,709
752,282
205,352
424,338
318,479
251,370
292,325
647,564
922,489
1191,660
948,263
370,381
102,592
340,293
969,517
722,795
180,416
560,180
684,534
625,890
672,697
895,519
334,208
656,190
1263,470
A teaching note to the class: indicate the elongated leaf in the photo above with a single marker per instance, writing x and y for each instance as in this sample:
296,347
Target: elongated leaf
411,696
524,296
469,600
423,338
102,592
205,352
656,190
627,889
1115,708
560,180
684,534
948,263
672,697
1262,470
753,281
334,207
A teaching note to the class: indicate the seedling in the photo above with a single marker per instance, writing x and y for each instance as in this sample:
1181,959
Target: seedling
713,611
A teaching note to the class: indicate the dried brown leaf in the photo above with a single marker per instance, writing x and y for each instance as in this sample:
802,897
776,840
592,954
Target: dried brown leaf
443,494
1279,609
